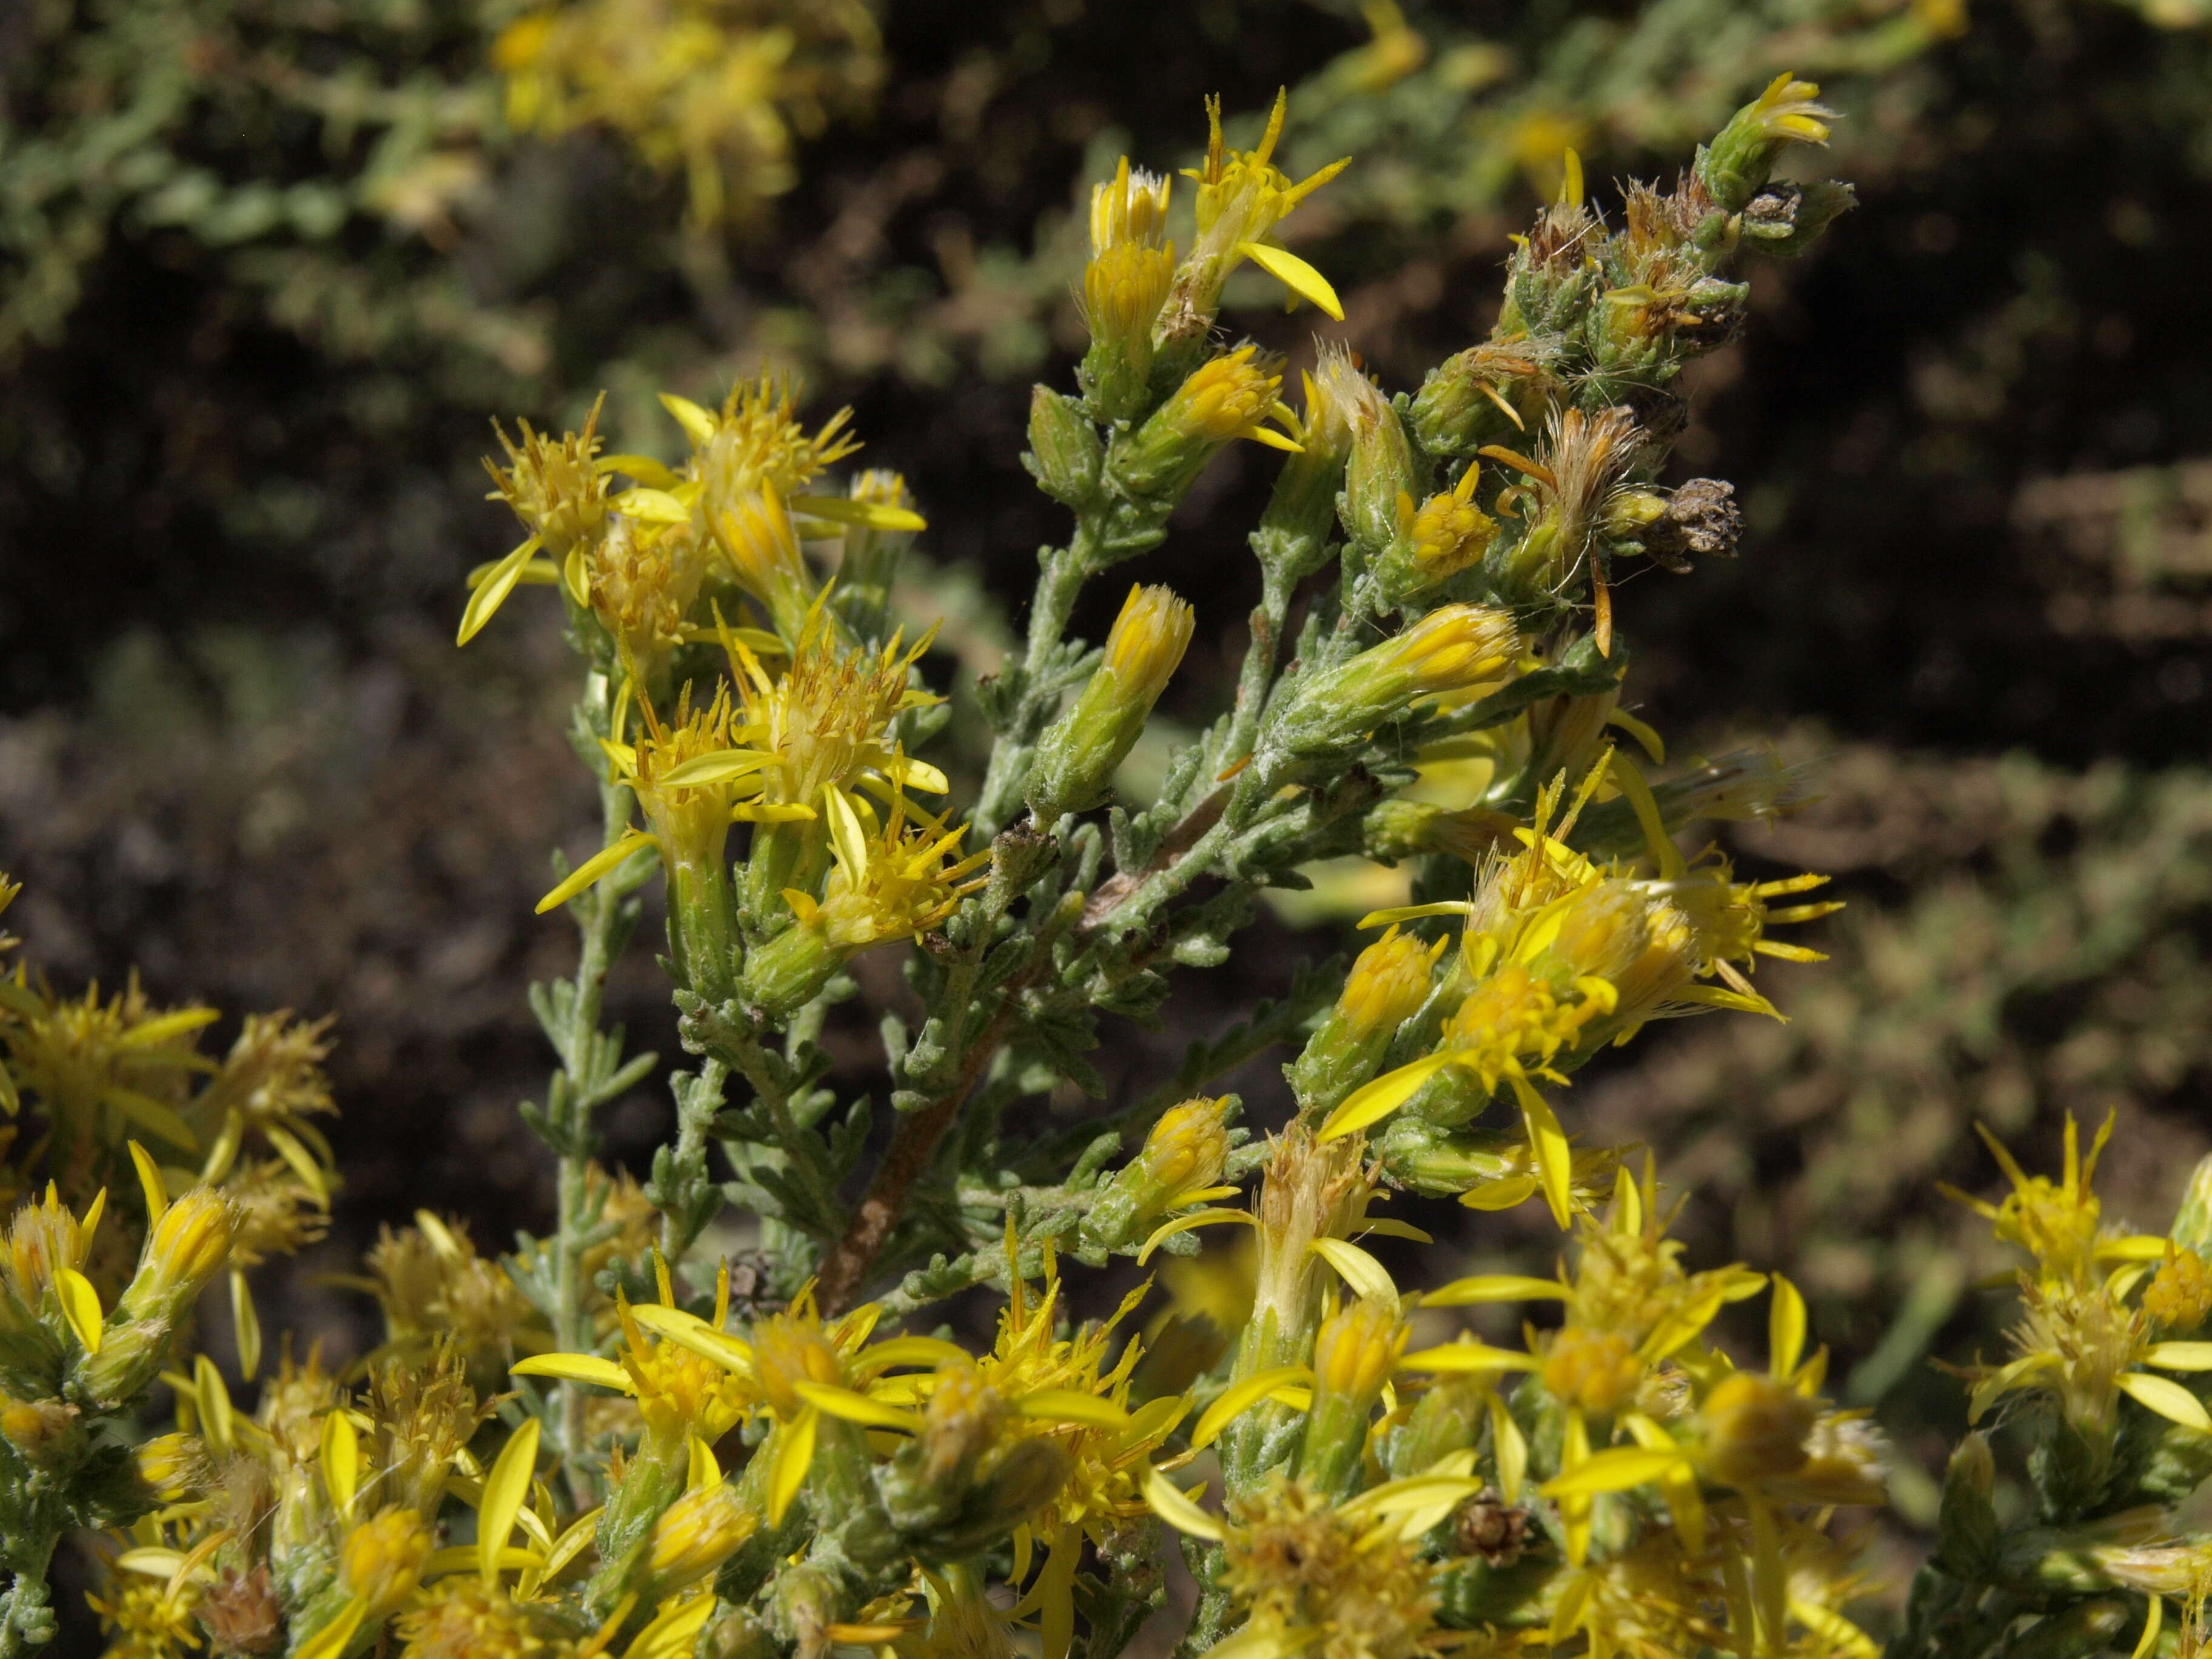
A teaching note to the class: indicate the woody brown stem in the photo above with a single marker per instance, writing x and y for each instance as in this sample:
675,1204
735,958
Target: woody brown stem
914,1143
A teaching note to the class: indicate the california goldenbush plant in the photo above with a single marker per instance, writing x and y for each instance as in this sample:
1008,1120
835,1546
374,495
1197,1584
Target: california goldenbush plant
622,1437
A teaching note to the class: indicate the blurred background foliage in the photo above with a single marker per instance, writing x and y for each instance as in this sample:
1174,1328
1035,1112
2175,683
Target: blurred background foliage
267,267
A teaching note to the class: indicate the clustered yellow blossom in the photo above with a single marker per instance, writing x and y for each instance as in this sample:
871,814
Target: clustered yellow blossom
1560,954
715,89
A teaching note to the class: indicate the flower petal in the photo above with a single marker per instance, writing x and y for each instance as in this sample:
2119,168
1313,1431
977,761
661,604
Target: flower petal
1378,1099
1239,1398
1294,274
1173,1506
576,1368
2167,1397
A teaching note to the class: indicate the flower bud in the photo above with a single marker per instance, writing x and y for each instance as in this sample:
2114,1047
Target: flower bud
1387,986
1124,287
2179,1295
1446,535
1596,1372
184,1248
1967,1525
695,1535
1294,532
755,533
1401,829
1448,1417
1379,471
1485,394
45,1431
1734,165
1064,452
871,555
1312,1190
1353,1356
1450,652
1185,1153
1078,754
381,1560
1755,1430
2192,1217
173,1465
1224,398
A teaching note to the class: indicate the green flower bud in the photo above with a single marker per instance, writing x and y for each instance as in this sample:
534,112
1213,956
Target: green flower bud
185,1248
1220,400
1734,165
2192,1218
693,1535
1450,652
1395,830
1184,1154
1078,754
1486,394
871,557
1293,533
1353,1356
1387,986
968,1478
1967,1525
1447,1418
46,1432
1132,268
1064,452
1379,477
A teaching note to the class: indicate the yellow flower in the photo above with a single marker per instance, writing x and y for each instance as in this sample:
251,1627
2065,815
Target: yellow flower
696,87
1563,955
889,881
99,1070
2180,1296
1313,1576
1241,196
432,1285
1076,754
1064,1392
693,1535
461,1617
381,1559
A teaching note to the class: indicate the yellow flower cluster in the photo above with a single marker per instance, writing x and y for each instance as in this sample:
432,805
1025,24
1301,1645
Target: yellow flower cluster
715,89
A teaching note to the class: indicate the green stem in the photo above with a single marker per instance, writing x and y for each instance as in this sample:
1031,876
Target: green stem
598,914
